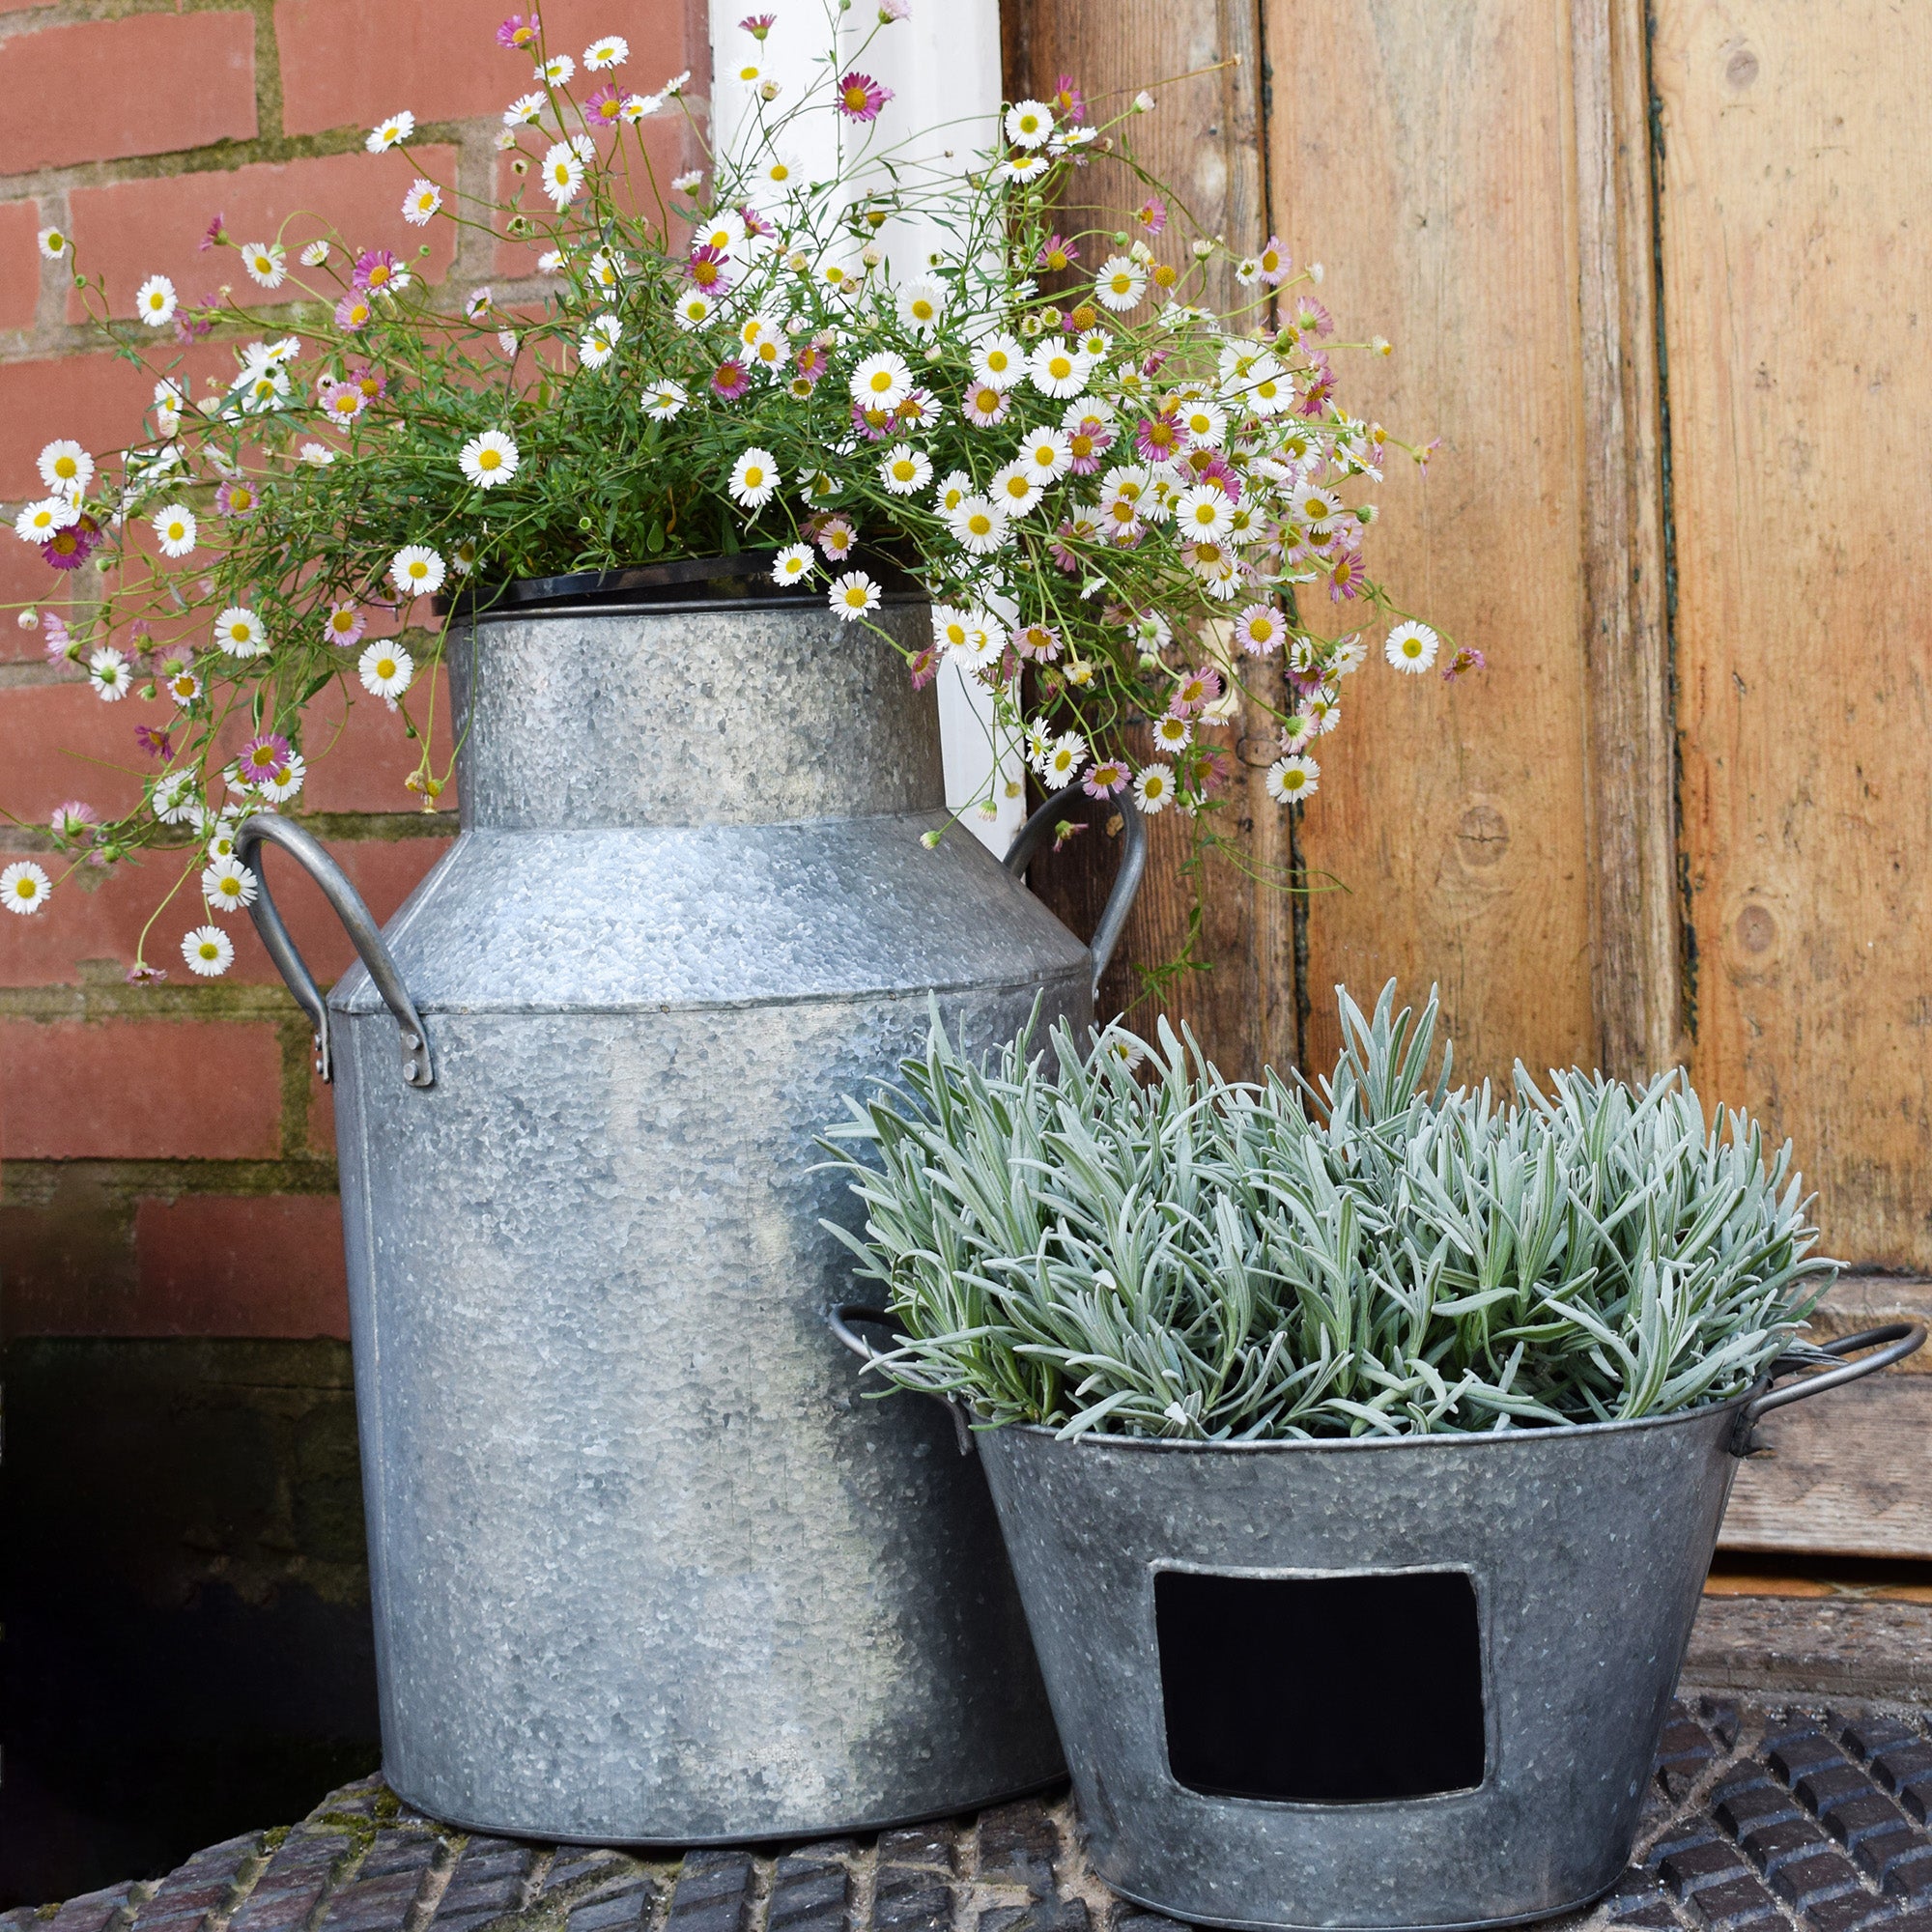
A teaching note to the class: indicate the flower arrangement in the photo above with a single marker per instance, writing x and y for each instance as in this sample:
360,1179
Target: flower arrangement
1116,497
1132,1245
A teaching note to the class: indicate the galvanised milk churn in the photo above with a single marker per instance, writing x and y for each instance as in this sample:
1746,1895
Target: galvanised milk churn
646,1567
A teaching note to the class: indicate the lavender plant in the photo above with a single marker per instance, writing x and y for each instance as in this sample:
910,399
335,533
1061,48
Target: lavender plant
1132,1245
1113,491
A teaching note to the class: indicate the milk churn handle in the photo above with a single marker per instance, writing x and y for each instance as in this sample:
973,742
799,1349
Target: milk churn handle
1127,881
1902,1339
418,1068
842,1314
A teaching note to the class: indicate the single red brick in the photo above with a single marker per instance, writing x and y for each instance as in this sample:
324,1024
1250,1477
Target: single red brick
347,62
19,263
211,1265
98,400
127,231
79,926
147,84
139,1089
60,741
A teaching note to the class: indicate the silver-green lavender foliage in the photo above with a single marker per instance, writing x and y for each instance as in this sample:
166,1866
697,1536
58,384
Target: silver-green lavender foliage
1134,1245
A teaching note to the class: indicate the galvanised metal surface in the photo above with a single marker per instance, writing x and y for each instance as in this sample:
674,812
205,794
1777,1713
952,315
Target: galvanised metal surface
646,1566
1587,1549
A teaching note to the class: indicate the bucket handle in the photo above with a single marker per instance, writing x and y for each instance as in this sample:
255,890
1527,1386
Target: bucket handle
839,1318
1900,1339
1127,881
269,827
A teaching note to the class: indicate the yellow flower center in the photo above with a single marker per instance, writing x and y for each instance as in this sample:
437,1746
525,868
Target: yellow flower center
489,459
25,888
386,668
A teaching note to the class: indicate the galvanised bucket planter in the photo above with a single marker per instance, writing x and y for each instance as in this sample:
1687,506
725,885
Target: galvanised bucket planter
1408,1682
645,1567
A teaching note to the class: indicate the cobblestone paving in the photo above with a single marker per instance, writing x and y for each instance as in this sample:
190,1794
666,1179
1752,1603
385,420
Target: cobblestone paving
1767,1815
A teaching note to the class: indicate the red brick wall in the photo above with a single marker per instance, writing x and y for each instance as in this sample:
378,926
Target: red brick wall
166,1157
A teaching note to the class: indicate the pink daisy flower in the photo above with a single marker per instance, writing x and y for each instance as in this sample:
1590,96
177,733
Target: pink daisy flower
604,105
352,311
860,96
1090,440
758,25
71,547
344,624
875,425
263,757
923,667
1215,470
1467,658
1194,691
812,361
1104,780
708,270
1068,101
835,537
1057,252
1039,642
1345,576
372,381
730,379
984,406
1310,318
1160,439
374,269
754,222
56,636
1151,215
157,744
236,499
518,34
214,235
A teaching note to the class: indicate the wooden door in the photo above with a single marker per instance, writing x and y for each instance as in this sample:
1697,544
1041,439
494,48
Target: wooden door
1658,282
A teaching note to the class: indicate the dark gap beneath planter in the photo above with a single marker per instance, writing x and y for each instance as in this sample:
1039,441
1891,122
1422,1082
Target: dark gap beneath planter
1321,1689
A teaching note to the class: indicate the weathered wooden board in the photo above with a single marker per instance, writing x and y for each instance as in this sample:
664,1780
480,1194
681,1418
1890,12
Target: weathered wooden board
1796,225
1425,155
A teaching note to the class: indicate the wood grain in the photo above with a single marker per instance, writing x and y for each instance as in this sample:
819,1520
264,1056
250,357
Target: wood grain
1630,793
1425,155
1797,185
1204,138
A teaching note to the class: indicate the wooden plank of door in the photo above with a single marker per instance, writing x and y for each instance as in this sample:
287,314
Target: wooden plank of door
1796,255
1426,156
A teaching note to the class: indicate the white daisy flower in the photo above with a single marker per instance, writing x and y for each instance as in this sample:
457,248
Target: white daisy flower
1021,168
38,522
1248,271
612,50
284,782
524,109
675,86
1203,422
1154,787
635,106
793,564
422,201
316,455
390,134
999,361
65,468
1262,629
267,262
1047,453
754,478
208,951
155,302
1293,778
690,181
1204,512
978,525
109,674
184,687
921,306
1016,487
607,269
1057,370
1120,284
240,632
386,669
1038,743
881,382
562,173
665,401
904,470
173,798
557,70
600,341
694,309
1172,733
853,596
314,255
1350,654
1412,646
549,263
1324,714
54,244
170,400
416,571
176,529
24,886
1029,124
489,459
1064,759
228,885
954,487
